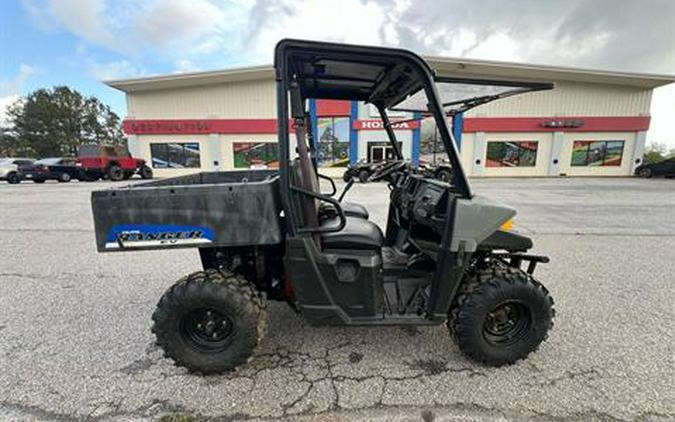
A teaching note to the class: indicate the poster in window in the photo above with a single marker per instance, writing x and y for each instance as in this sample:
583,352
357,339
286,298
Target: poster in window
175,155
511,154
597,153
255,155
333,135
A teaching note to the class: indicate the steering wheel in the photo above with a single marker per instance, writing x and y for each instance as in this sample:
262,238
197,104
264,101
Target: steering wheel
386,170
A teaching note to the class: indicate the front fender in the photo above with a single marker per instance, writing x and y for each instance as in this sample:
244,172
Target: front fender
505,240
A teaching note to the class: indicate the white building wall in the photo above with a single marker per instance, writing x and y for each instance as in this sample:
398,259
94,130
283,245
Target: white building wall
235,100
571,99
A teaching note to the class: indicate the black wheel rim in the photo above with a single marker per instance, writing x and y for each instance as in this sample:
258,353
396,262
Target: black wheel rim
208,330
507,323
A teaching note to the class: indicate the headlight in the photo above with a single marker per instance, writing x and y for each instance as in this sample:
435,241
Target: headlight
507,226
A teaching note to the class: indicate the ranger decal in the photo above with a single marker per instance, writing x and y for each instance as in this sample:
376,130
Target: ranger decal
152,235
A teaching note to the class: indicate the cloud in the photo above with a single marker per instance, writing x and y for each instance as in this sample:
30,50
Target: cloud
11,88
13,85
114,70
87,19
161,28
5,102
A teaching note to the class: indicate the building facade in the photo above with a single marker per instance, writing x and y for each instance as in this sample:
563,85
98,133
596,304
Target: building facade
593,124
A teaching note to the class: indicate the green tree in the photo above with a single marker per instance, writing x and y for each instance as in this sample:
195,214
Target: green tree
654,153
54,122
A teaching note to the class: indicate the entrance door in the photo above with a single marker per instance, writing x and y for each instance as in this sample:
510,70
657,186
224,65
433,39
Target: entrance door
380,153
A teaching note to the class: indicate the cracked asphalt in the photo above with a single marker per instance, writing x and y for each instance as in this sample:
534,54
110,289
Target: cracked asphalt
75,341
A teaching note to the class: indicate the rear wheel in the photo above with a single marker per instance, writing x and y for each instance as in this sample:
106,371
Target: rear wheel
210,321
645,172
500,315
13,178
115,173
145,172
363,176
64,177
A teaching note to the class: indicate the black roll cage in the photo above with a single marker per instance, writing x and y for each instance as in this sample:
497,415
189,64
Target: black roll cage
381,94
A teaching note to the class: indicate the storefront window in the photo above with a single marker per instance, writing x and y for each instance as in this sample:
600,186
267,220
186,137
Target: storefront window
511,154
175,155
597,153
256,155
333,141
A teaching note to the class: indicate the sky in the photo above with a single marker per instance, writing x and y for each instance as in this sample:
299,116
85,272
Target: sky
79,43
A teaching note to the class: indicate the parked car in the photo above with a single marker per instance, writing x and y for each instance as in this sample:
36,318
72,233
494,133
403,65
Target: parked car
362,170
108,162
662,168
59,168
11,169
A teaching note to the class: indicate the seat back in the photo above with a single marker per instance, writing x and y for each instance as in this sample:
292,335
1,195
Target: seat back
303,175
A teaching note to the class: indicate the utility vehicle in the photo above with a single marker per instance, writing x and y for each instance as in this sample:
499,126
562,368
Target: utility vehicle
110,162
362,170
273,235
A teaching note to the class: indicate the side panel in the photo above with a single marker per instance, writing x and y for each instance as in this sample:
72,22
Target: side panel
161,214
334,288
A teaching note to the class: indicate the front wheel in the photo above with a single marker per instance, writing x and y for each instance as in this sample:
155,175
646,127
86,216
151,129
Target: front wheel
210,321
363,176
64,177
145,172
500,315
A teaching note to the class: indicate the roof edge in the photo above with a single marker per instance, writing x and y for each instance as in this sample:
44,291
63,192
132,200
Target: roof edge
461,66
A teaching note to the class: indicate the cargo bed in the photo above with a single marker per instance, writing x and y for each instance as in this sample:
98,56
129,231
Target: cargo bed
233,208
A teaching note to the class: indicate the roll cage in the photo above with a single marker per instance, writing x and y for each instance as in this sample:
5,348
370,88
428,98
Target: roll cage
388,78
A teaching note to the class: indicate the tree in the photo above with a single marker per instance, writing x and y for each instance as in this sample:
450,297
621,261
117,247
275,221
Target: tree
54,122
654,153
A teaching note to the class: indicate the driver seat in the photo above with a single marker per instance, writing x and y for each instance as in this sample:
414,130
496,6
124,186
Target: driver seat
350,209
357,234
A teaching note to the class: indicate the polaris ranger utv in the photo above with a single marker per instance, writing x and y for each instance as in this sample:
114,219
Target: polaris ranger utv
445,255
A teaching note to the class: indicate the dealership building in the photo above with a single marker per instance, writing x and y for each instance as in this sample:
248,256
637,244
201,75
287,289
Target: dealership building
593,123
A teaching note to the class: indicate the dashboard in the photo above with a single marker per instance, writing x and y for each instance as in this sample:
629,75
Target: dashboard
422,201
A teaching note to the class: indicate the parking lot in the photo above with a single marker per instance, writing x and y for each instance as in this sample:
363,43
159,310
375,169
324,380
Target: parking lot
75,340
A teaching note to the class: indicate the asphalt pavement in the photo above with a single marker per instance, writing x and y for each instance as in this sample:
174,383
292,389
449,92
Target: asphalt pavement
75,340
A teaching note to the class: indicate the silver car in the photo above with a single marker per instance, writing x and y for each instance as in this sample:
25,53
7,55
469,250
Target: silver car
10,169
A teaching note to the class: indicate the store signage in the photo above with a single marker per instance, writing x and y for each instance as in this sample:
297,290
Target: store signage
563,124
379,125
167,126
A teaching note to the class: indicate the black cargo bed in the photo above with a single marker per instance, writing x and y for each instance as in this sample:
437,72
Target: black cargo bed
233,208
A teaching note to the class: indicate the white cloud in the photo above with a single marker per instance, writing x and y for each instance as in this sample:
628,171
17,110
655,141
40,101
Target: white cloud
114,70
183,66
85,18
13,85
5,102
10,89
350,21
662,127
164,28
